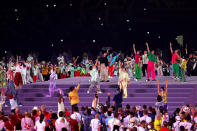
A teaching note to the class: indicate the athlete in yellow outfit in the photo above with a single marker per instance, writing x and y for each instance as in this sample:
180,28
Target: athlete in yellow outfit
163,93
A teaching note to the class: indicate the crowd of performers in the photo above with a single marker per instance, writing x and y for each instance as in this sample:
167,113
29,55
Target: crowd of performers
108,64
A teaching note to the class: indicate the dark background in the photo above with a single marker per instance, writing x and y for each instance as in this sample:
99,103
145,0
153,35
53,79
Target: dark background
35,27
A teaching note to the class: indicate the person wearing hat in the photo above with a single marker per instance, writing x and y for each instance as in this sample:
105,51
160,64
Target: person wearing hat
137,64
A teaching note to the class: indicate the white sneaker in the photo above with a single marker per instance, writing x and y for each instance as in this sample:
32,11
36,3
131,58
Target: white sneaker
99,92
147,80
135,79
6,105
88,92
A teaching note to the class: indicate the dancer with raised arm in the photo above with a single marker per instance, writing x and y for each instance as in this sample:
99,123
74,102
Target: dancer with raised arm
52,86
151,63
137,64
163,93
75,60
175,62
18,77
73,96
111,61
94,78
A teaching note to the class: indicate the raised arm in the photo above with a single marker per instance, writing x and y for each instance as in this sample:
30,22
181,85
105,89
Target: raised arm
171,48
76,59
134,49
181,110
107,51
78,85
158,90
96,63
147,47
166,86
186,52
16,60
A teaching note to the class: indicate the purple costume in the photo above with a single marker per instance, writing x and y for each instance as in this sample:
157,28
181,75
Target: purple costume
52,86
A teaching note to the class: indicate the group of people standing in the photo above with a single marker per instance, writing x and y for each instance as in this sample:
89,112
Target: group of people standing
106,66
148,64
109,65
